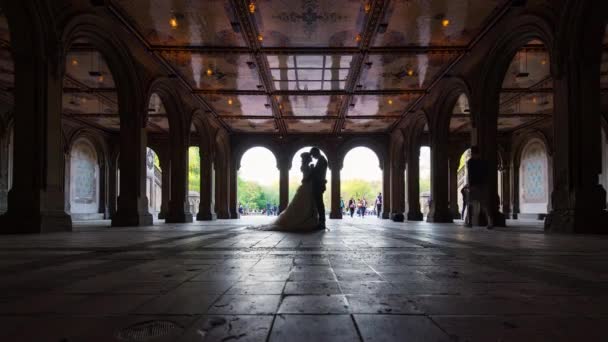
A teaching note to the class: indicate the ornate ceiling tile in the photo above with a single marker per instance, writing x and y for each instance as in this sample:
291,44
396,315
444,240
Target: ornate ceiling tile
251,125
87,103
216,72
89,69
309,72
310,105
533,103
310,126
527,69
310,23
183,22
367,125
398,71
434,23
240,105
383,105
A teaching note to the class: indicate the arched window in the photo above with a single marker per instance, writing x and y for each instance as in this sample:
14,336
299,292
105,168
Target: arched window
84,178
533,173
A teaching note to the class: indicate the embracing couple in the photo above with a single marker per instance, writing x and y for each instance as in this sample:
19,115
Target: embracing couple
306,211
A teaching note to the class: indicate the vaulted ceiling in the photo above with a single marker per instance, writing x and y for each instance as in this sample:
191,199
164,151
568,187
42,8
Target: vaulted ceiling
306,66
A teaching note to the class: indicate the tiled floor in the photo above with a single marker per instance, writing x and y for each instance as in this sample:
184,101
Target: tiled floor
367,280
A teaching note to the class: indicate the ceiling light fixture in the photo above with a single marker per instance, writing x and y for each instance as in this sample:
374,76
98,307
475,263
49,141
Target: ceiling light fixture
260,37
251,7
367,7
173,21
74,62
390,101
100,79
358,37
209,72
543,61
230,101
410,72
445,22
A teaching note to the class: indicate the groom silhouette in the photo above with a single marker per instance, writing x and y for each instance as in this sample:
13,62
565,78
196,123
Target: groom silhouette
318,179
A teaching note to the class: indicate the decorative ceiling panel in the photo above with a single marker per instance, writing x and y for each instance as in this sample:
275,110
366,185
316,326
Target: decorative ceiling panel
527,69
310,105
183,22
434,23
110,123
310,23
216,72
252,125
306,72
240,105
534,103
508,124
86,103
367,125
398,71
310,126
383,105
89,69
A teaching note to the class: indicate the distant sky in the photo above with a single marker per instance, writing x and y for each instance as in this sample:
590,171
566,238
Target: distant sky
259,164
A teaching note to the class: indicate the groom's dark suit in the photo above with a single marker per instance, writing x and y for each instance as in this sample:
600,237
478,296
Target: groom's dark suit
318,179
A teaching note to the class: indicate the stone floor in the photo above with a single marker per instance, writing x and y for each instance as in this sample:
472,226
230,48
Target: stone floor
367,280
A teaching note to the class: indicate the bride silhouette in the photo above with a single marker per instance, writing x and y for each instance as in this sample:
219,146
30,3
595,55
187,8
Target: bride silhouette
301,214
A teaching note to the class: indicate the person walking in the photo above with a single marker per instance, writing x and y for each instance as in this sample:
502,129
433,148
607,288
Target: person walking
351,206
465,200
341,205
378,204
477,170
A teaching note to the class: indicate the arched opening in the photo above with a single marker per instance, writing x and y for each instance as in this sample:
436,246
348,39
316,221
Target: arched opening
424,165
295,177
154,182
258,182
361,182
534,180
84,181
194,179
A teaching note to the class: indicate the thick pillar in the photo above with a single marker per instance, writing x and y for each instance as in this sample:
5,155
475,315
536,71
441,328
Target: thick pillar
234,210
413,184
386,189
112,186
165,167
439,211
206,209
579,201
132,202
514,184
454,162
179,208
222,188
36,202
283,166
397,193
336,211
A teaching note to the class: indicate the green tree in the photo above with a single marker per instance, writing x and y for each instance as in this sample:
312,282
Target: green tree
194,169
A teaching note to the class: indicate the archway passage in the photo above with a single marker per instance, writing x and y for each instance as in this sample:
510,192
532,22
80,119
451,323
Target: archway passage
194,179
258,183
295,177
361,183
84,182
425,180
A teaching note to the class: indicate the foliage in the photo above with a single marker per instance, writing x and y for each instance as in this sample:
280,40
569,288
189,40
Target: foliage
425,184
157,161
255,196
194,169
359,188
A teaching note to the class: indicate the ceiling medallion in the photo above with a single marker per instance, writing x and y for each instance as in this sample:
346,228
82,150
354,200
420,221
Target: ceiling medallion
310,16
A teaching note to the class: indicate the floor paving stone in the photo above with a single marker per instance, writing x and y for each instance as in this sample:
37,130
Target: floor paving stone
371,280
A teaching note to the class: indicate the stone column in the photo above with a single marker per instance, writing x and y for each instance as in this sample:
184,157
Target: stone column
413,184
514,184
206,209
179,208
165,167
234,210
67,168
36,202
579,201
439,211
222,188
454,162
397,193
283,166
336,212
112,186
386,189
132,202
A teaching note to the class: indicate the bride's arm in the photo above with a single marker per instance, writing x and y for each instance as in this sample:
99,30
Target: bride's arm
306,172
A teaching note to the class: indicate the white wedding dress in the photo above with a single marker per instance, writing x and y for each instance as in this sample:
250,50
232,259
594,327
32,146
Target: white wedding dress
301,214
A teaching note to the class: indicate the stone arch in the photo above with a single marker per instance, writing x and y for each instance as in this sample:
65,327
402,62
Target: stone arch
171,99
534,177
448,96
378,148
240,150
291,150
100,33
84,179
